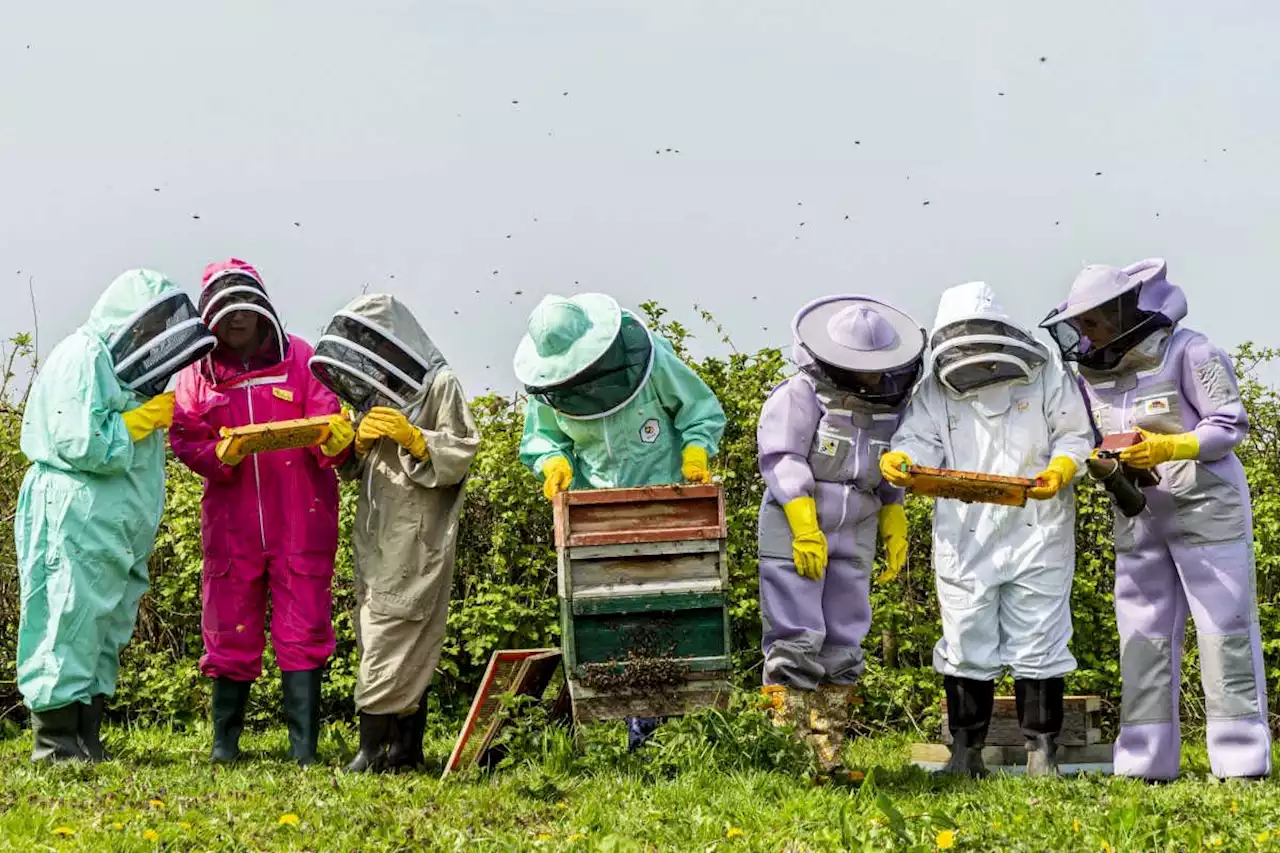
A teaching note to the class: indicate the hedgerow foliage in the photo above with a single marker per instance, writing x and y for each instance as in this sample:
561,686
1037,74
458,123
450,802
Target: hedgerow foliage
504,587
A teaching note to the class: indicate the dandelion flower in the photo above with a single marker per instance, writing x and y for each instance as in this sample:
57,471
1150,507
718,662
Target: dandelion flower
1263,836
1215,842
1075,826
289,819
544,836
64,831
946,839
117,826
856,776
733,832
183,825
156,804
1234,806
995,824
151,835
577,836
1107,848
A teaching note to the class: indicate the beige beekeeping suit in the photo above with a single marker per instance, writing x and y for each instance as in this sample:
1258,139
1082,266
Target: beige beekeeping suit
406,528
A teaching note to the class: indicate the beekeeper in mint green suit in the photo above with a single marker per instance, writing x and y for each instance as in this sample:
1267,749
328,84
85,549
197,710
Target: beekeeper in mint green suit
611,406
91,502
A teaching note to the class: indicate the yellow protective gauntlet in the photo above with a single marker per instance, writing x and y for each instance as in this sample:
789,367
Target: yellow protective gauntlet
694,465
558,476
893,467
809,545
1156,449
1049,482
156,413
392,424
893,533
341,432
224,452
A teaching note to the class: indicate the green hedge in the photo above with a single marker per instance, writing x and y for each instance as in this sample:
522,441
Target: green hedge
504,588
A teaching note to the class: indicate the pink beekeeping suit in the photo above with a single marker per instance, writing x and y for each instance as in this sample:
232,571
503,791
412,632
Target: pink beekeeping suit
270,522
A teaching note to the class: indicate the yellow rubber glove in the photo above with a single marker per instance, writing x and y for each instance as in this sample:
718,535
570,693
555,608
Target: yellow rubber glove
223,450
395,426
341,433
809,545
1050,481
893,467
694,465
1156,449
367,433
893,533
156,413
558,476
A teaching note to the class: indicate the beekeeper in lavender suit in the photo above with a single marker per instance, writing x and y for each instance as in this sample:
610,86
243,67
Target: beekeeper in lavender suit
1191,549
820,437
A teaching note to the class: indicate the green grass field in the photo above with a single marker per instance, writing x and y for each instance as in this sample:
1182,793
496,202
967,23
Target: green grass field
708,783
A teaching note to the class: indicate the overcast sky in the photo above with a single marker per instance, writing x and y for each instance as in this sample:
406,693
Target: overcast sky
745,156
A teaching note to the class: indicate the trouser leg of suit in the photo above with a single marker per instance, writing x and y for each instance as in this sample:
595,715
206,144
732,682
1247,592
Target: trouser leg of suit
794,626
1151,616
302,610
846,600
233,619
1218,581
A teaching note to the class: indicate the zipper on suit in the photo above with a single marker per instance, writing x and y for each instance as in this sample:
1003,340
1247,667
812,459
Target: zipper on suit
257,476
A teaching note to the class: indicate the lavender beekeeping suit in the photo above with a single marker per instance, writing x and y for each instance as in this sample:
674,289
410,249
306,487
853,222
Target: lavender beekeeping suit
1191,549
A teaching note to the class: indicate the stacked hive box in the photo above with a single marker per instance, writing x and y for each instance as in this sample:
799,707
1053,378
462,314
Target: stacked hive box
643,607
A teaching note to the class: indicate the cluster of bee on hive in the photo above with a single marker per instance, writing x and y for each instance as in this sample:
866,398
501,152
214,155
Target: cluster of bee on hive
647,665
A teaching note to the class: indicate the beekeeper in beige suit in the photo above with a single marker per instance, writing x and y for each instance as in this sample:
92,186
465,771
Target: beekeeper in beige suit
414,443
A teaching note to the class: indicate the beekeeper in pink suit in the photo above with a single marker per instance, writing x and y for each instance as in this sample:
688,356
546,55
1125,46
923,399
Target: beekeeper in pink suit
270,521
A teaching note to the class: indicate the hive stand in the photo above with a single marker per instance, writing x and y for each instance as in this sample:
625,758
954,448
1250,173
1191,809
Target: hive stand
643,600
1080,747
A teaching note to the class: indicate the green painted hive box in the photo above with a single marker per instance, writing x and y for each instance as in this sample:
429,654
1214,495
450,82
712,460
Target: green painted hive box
643,606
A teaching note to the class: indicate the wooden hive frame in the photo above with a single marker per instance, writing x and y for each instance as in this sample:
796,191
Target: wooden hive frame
278,435
618,551
969,486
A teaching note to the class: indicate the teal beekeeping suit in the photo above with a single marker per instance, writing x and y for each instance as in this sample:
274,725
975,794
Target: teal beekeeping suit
610,397
89,507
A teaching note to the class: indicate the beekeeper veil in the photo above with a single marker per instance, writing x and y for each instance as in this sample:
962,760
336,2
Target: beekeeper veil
975,345
375,353
158,340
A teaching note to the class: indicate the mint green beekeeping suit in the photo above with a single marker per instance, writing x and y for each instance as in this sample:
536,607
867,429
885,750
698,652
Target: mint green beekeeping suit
88,510
637,442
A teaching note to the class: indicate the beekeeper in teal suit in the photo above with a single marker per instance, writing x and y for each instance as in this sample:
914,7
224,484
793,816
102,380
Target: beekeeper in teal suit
91,502
611,406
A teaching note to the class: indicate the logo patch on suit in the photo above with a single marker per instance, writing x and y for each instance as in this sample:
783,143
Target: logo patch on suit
1156,406
650,431
826,445
1023,404
283,394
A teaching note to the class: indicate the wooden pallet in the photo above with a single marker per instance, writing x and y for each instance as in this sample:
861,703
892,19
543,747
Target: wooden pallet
1081,722
643,586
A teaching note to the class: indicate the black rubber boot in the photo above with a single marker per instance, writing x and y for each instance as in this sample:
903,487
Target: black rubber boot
56,734
405,752
302,713
1040,714
91,728
229,701
969,704
376,732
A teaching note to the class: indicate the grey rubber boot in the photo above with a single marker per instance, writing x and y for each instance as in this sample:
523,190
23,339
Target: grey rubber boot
1042,756
302,713
56,735
376,733
91,728
229,701
969,705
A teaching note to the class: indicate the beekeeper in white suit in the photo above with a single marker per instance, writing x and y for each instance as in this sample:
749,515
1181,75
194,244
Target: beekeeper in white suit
996,401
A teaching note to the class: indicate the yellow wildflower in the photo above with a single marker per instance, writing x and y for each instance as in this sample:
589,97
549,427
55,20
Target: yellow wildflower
1215,842
1075,826
995,824
1107,848
289,819
856,776
64,831
1263,836
151,835
946,839
117,826
156,804
183,825
577,836
733,832
1233,806
544,836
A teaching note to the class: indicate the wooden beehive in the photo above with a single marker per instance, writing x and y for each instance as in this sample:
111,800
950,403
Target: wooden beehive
643,607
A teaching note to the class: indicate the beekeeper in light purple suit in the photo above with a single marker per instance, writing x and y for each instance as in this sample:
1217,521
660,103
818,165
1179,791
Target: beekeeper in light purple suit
820,437
1191,549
